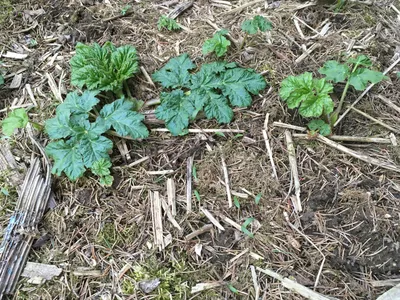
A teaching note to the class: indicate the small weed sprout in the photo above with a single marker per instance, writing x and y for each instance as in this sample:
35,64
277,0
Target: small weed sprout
16,119
253,26
218,44
167,23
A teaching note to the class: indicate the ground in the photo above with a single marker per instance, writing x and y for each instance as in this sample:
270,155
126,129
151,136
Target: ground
102,238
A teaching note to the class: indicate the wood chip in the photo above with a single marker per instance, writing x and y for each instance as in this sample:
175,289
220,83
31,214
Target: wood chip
212,219
189,185
44,271
226,177
14,55
155,202
295,173
171,194
16,82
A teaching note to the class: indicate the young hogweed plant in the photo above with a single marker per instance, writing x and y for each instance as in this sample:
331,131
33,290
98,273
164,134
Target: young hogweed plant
165,22
214,89
312,96
218,44
77,133
103,68
258,23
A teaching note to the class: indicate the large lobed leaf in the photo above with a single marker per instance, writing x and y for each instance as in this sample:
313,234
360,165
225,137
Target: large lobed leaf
175,73
176,110
103,68
310,95
85,146
120,116
214,89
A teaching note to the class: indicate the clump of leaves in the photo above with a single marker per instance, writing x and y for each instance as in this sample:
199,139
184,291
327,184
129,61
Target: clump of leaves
258,23
77,133
218,43
103,68
165,22
18,118
214,89
312,96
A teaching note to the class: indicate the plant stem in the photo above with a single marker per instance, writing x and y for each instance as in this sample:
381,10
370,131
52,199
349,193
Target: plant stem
339,108
244,41
127,90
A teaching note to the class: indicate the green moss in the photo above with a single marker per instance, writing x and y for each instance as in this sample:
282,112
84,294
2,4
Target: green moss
6,9
111,237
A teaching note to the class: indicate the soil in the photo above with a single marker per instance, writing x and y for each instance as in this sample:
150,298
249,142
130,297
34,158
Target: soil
350,208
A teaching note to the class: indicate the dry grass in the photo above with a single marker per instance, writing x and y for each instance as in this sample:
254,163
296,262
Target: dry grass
103,238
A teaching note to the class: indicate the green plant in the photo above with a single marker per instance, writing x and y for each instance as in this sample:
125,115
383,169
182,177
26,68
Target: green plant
78,134
103,68
18,118
218,43
125,9
165,22
258,23
214,89
312,96
1,79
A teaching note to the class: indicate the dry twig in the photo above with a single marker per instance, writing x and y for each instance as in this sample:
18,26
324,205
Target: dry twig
293,167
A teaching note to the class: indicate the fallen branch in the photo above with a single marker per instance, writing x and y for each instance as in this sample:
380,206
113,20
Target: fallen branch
294,286
293,167
346,138
360,156
375,120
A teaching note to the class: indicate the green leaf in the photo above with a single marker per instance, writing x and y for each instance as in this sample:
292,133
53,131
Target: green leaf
310,95
236,202
258,198
214,89
238,83
94,149
233,289
1,79
334,71
360,78
218,44
194,173
4,191
103,68
217,107
244,227
79,104
176,110
67,158
59,126
101,167
165,22
106,180
320,126
197,195
18,118
398,74
295,89
361,60
175,73
120,116
257,23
